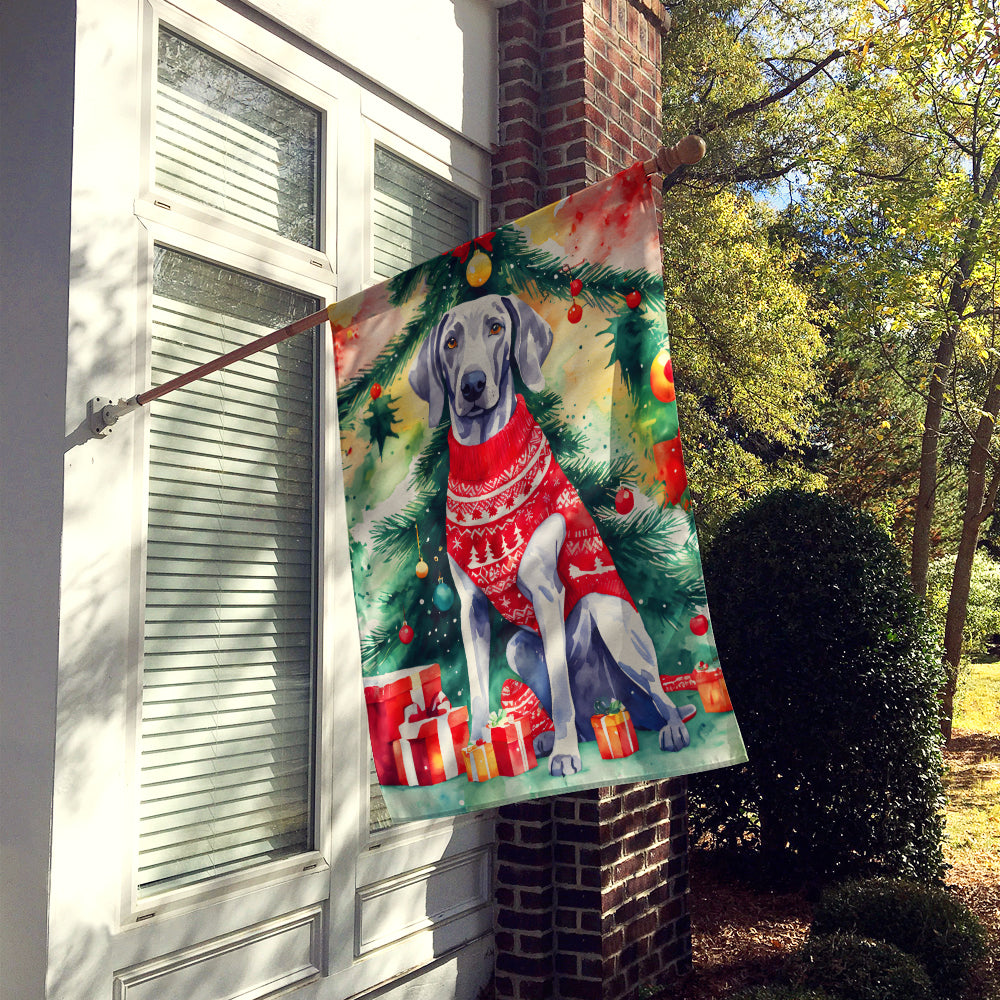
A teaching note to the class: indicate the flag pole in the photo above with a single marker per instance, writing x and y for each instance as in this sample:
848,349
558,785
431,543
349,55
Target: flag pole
103,413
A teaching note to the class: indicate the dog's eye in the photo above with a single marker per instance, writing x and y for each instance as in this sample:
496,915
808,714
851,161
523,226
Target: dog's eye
451,343
495,329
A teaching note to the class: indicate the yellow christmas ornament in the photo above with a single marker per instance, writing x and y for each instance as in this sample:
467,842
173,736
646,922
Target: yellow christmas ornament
661,378
421,569
479,269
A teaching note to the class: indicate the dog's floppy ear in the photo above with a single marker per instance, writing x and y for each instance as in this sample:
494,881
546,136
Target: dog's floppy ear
532,341
425,377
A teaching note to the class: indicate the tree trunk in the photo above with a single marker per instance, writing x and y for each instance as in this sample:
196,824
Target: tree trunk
920,553
979,500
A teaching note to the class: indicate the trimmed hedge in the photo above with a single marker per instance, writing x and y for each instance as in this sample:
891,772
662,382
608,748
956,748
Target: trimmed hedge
781,993
856,968
833,671
925,922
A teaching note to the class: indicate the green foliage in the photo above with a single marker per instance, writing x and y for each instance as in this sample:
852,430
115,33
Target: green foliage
749,355
983,612
924,921
782,992
857,968
834,673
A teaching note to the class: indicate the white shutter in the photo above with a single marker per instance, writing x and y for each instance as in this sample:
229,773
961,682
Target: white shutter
415,215
228,140
228,660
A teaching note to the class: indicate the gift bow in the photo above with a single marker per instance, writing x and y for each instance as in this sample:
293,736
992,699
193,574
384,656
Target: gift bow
499,718
602,707
485,242
439,706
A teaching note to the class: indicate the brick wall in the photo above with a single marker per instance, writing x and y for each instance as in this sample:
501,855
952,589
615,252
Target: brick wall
591,889
579,96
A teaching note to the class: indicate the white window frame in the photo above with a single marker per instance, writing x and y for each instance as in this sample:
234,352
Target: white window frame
180,224
349,868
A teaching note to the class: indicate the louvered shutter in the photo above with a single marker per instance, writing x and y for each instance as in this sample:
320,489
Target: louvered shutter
230,141
227,682
228,674
415,216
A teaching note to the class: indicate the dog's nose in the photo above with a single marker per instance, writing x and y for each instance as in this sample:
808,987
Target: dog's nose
473,383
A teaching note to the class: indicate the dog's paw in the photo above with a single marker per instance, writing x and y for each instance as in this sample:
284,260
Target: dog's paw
543,743
563,765
674,735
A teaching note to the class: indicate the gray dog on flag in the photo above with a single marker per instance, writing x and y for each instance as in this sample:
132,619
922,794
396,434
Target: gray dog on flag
519,538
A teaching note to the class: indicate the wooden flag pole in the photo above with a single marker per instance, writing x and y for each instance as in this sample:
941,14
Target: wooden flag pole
103,413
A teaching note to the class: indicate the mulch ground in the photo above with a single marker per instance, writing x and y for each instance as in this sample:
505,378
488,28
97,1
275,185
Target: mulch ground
742,935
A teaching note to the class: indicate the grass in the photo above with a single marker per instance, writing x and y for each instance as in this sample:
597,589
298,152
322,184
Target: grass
973,783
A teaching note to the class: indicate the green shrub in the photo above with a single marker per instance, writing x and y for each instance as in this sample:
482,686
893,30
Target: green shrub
782,993
856,968
833,673
925,922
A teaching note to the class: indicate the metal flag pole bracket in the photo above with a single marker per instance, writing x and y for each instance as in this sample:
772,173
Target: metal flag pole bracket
103,413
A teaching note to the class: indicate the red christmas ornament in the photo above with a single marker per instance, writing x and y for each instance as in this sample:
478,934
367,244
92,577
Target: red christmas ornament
574,314
699,624
406,634
376,391
633,299
670,469
575,287
624,499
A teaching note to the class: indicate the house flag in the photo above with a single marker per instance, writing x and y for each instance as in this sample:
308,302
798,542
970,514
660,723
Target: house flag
526,571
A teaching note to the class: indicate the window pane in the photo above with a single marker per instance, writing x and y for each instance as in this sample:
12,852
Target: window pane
228,656
231,141
417,215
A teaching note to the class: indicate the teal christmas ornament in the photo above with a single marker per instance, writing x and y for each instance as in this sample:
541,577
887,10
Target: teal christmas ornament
444,596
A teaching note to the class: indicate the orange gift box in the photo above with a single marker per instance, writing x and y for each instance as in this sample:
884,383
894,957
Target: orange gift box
511,746
615,733
480,761
712,689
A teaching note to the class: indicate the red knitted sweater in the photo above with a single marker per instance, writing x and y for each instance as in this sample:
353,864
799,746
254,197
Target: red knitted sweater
498,494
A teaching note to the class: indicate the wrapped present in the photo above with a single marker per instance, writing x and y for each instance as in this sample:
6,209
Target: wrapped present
512,746
480,761
428,750
387,697
614,730
712,689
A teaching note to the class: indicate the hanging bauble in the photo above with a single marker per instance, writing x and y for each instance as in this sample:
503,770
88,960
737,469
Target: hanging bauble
624,499
633,299
575,313
670,469
699,624
575,287
479,269
422,569
444,596
661,377
406,634
375,391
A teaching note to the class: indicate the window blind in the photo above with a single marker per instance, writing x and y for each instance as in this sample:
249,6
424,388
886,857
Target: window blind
415,215
228,655
228,140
